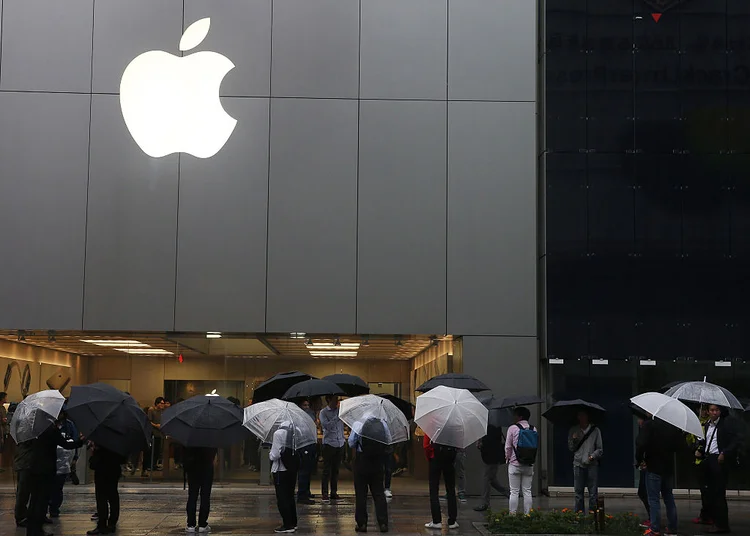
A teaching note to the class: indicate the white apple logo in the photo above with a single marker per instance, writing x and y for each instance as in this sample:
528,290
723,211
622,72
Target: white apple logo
171,104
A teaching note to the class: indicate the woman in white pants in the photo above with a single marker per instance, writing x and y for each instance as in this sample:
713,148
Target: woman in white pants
520,476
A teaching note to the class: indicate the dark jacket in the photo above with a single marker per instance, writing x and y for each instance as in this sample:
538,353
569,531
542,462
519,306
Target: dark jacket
728,437
198,458
42,455
493,446
104,461
656,445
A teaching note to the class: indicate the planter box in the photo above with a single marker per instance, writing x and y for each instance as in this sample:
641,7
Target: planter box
484,530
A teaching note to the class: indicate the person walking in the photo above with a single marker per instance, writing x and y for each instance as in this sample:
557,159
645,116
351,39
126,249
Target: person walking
520,453
307,462
442,460
656,445
368,472
720,452
284,470
333,447
492,449
106,465
198,463
585,442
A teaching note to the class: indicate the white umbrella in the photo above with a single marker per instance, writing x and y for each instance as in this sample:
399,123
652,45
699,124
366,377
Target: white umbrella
35,414
705,393
451,417
669,410
360,409
264,418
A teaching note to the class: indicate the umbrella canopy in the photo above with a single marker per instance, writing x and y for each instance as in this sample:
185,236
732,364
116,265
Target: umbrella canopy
406,407
204,421
705,393
667,387
277,385
451,417
515,401
358,412
264,418
350,384
457,381
109,418
35,414
498,417
669,410
311,389
566,411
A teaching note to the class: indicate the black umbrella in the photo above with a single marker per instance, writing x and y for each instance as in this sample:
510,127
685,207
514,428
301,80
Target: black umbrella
406,407
109,418
205,421
276,386
312,389
498,417
457,381
566,411
350,384
515,401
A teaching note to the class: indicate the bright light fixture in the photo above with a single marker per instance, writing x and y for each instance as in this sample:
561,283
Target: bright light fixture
297,334
114,342
213,335
145,351
332,346
328,353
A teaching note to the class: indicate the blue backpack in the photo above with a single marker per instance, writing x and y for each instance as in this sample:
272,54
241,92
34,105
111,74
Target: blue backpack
528,444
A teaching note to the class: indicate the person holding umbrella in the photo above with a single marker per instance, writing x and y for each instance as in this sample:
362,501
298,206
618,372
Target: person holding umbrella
585,442
371,445
284,469
333,446
307,463
198,463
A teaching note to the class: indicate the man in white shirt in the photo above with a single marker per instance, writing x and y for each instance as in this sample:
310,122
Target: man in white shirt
333,446
284,478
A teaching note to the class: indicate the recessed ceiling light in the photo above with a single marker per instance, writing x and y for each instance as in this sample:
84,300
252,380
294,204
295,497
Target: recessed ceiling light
115,342
213,335
297,334
145,351
333,346
328,353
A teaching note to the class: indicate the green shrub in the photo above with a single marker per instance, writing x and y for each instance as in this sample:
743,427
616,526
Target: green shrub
563,521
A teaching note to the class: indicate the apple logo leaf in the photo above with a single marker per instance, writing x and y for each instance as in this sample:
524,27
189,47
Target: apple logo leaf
195,34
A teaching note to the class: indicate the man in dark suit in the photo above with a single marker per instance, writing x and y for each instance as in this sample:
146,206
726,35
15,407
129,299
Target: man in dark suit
720,450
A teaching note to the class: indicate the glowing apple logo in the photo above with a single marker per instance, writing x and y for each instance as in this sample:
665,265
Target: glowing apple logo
171,104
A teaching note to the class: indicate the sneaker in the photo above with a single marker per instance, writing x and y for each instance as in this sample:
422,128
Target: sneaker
462,497
388,494
190,529
326,498
204,530
305,501
651,532
453,525
95,517
646,524
432,525
481,508
669,532
701,521
383,528
283,529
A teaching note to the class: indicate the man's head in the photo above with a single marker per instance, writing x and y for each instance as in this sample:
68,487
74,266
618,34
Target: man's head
305,404
521,414
714,412
3,397
167,403
159,402
332,401
583,418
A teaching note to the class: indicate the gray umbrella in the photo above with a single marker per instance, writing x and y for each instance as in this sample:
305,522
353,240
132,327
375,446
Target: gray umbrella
35,414
705,393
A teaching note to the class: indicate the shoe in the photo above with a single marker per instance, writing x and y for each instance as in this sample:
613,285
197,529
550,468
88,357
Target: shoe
646,524
283,529
651,532
388,494
96,531
432,525
95,517
335,497
717,530
453,525
305,501
383,528
326,499
701,521
204,530
669,532
22,524
462,497
481,508
360,528
190,529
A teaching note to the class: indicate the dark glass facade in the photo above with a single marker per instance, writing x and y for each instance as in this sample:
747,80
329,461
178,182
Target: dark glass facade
648,201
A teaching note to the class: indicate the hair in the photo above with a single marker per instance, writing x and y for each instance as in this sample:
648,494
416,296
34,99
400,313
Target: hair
3,394
159,400
234,400
329,398
522,412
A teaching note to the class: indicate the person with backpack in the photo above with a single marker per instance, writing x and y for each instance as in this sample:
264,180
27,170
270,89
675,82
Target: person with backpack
368,470
585,442
198,464
284,467
492,449
520,454
442,461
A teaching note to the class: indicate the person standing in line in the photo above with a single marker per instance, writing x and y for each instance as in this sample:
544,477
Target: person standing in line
22,461
154,417
307,461
642,490
655,447
442,460
107,467
284,469
333,447
368,471
720,452
492,449
706,516
198,463
388,468
4,426
461,474
585,442
66,464
520,459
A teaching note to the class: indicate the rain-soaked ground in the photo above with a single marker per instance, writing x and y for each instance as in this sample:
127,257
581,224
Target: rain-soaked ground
251,510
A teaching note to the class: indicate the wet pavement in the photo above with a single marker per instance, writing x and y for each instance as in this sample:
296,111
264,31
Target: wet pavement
251,510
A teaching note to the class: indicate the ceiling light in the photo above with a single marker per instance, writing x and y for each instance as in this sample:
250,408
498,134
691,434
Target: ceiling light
297,334
329,353
213,335
114,342
145,351
333,346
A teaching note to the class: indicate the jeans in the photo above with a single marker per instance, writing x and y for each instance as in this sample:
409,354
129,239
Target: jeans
107,498
718,474
520,478
657,484
369,475
56,494
490,482
643,493
586,477
388,463
307,461
284,483
443,464
461,472
200,481
331,463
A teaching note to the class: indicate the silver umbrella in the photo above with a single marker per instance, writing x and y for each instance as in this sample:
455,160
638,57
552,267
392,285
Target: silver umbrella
35,414
705,393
